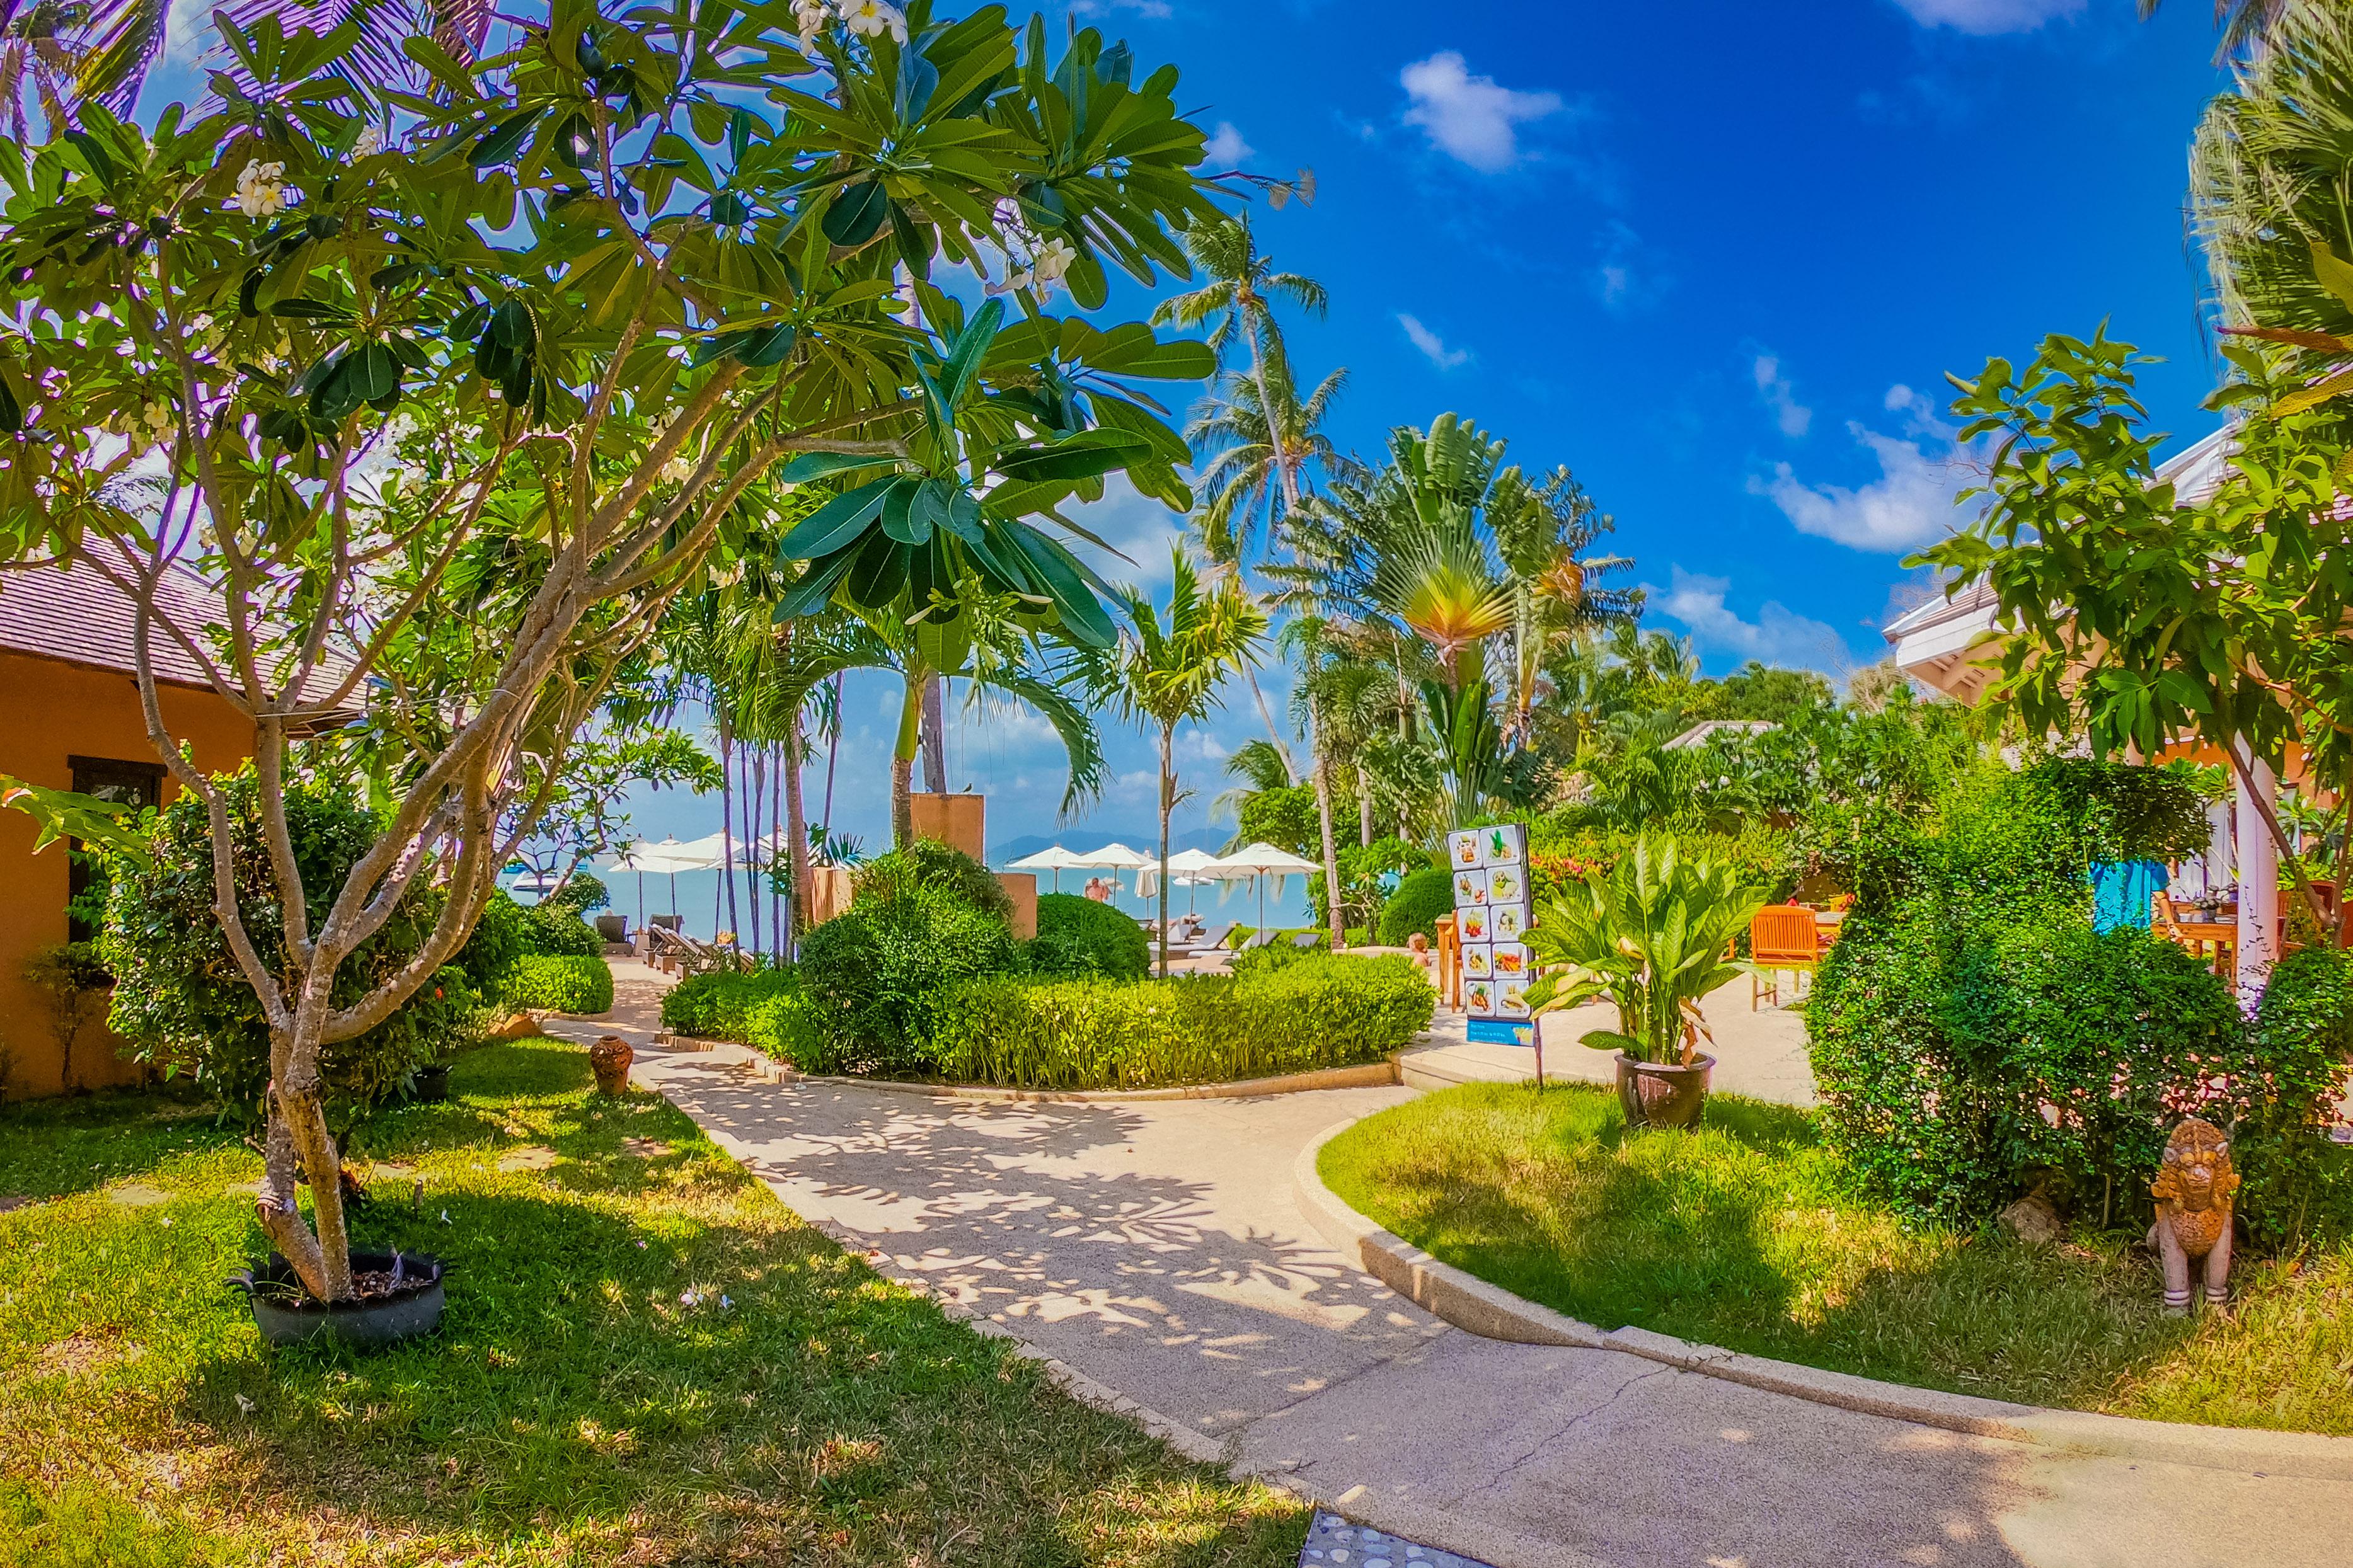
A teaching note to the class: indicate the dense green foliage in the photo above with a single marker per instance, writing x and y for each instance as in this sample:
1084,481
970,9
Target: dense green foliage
928,863
819,1404
1421,896
580,893
1078,937
874,974
1330,1011
1750,1233
501,934
1974,1038
1285,817
767,1009
560,984
183,1002
557,931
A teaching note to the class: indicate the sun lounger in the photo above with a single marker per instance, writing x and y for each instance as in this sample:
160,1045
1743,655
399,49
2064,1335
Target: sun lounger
1209,941
1307,938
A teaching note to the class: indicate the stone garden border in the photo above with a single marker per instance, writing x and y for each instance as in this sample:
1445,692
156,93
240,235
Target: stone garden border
1476,1306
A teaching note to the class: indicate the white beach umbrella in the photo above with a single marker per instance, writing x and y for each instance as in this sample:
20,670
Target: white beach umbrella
669,856
1262,861
1192,867
1053,858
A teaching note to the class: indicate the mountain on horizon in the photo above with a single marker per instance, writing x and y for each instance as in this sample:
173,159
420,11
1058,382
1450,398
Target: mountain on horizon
1145,842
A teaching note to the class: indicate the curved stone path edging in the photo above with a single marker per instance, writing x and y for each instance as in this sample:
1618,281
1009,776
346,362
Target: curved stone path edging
1477,1307
1366,1075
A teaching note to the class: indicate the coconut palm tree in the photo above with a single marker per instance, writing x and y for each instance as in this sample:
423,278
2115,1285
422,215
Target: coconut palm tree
1238,305
2246,26
57,55
1251,477
1167,673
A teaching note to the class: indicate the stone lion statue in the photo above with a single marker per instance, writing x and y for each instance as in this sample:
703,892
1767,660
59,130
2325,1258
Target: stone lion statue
2193,1191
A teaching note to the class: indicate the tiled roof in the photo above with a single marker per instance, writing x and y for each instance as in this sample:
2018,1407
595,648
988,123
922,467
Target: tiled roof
75,615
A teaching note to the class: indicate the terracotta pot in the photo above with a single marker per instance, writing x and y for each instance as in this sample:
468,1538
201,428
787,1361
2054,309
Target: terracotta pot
1661,1094
611,1057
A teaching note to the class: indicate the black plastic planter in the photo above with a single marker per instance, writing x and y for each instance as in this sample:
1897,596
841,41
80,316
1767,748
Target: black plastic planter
286,1316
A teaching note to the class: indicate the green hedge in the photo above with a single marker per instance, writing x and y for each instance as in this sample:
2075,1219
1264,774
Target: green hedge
1078,937
1331,1011
556,931
767,1010
559,983
1973,1038
1420,898
875,973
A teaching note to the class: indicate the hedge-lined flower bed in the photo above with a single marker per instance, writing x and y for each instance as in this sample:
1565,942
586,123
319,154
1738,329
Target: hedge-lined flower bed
1326,1012
559,983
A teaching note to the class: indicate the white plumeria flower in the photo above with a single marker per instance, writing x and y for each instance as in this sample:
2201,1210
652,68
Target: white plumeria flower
370,143
872,19
813,17
261,189
1053,259
678,470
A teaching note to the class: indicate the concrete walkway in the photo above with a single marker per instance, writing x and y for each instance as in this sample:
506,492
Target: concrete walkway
1155,1249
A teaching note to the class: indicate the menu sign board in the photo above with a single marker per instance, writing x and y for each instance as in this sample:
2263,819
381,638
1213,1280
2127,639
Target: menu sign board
1492,917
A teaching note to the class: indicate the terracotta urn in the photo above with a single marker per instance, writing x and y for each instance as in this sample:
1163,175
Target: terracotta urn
611,1057
1662,1094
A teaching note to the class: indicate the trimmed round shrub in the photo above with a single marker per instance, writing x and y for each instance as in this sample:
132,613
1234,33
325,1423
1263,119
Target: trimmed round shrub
1972,1037
1420,899
926,863
556,931
560,984
1079,937
183,1002
498,939
873,975
580,893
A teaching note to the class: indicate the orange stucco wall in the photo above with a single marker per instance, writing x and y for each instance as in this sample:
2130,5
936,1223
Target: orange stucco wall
51,712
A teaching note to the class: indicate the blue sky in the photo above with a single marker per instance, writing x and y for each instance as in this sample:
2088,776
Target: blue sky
1717,257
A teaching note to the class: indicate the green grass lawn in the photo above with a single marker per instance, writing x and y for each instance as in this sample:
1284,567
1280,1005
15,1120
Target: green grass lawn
1744,1234
589,1400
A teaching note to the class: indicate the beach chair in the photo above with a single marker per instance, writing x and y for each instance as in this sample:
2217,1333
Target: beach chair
1210,940
1307,939
1782,936
1259,939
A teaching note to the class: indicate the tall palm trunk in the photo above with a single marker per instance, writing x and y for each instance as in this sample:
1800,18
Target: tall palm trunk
1167,806
833,752
1338,917
775,814
1364,808
796,898
755,767
726,900
936,735
902,762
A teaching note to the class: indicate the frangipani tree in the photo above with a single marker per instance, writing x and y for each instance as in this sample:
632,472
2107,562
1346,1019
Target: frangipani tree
440,399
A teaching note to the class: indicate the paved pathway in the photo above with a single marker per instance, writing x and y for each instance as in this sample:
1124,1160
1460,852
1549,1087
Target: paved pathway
1155,1247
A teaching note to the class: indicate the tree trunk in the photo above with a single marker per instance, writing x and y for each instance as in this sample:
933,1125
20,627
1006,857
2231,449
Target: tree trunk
726,898
902,762
833,754
1364,808
297,1135
1338,918
754,771
1167,805
1289,772
775,814
936,735
797,837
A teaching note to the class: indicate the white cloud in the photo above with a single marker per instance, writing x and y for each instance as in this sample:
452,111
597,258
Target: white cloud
1985,17
1909,505
1467,117
1157,10
1225,148
1433,346
1778,635
188,30
1780,395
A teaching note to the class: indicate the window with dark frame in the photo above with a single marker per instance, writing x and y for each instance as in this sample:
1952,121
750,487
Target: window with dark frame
110,779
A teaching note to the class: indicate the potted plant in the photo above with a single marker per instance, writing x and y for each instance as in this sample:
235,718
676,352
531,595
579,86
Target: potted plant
1654,936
